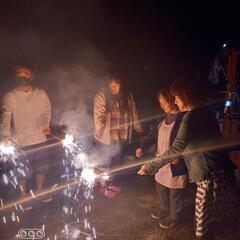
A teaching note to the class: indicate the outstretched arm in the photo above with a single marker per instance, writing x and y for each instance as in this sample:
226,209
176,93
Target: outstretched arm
176,150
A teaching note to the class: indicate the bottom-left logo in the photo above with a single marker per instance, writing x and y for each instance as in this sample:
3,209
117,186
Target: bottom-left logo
31,233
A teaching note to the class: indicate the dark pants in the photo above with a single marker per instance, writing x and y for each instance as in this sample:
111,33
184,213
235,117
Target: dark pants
171,203
38,158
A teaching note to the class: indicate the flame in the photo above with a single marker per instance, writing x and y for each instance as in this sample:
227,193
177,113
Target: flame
7,149
88,175
68,140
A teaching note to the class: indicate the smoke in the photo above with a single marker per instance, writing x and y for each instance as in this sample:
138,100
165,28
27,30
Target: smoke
72,87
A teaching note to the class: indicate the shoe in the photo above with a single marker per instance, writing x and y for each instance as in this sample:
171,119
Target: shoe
155,215
165,226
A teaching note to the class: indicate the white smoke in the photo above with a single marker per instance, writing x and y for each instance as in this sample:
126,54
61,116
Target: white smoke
72,87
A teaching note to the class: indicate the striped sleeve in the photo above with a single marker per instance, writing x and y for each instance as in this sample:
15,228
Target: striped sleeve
99,111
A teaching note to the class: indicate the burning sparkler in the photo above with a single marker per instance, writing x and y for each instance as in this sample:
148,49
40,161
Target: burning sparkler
88,176
15,166
68,140
80,160
7,149
78,197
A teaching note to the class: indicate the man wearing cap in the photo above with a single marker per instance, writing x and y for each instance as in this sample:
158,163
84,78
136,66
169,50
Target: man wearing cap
26,114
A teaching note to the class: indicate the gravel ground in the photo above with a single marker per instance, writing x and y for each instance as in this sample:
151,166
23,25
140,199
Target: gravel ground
128,216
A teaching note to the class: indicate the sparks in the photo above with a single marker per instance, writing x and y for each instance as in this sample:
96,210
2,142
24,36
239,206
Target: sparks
76,233
105,177
7,149
68,140
5,179
80,160
89,176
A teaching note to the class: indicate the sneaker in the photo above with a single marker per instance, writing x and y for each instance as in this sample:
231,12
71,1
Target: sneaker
165,226
155,215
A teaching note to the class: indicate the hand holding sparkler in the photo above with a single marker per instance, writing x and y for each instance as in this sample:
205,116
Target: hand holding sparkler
46,131
68,140
7,149
99,133
142,171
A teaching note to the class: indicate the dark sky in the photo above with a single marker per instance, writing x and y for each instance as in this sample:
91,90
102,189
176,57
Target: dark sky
147,41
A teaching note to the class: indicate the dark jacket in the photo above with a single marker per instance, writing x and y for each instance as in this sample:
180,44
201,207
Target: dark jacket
198,140
177,169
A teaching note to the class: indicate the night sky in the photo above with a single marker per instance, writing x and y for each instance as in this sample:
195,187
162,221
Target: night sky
148,42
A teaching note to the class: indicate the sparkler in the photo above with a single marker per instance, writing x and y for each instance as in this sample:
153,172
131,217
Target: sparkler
68,140
78,197
88,176
7,149
80,160
15,165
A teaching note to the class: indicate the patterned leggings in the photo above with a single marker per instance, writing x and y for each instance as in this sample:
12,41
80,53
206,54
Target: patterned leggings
216,201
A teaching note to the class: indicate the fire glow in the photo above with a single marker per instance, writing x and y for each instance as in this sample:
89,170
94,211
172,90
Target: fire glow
68,140
7,149
88,175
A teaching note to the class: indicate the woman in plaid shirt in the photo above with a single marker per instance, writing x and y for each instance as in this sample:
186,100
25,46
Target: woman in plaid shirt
115,119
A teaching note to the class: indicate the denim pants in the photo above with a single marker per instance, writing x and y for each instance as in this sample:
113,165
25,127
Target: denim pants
171,203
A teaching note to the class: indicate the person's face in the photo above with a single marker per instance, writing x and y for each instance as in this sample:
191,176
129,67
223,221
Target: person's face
179,102
24,78
164,104
114,87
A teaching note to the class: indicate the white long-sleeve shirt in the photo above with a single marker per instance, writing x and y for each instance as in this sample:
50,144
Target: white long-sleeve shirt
25,115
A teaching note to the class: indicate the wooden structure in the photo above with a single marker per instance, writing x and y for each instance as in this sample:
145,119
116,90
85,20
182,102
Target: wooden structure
231,124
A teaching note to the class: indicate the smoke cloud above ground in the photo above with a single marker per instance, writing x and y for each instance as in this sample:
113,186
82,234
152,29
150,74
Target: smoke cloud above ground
72,87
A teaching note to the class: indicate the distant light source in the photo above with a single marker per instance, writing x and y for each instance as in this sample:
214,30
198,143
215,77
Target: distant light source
224,45
228,103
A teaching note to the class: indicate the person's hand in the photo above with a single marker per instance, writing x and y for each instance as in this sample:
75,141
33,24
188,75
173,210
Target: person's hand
99,134
175,162
142,171
46,131
6,141
139,152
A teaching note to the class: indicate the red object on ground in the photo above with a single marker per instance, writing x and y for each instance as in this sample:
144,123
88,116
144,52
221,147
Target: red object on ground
111,191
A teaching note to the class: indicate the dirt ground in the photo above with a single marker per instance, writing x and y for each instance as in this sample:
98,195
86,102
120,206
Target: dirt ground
128,216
